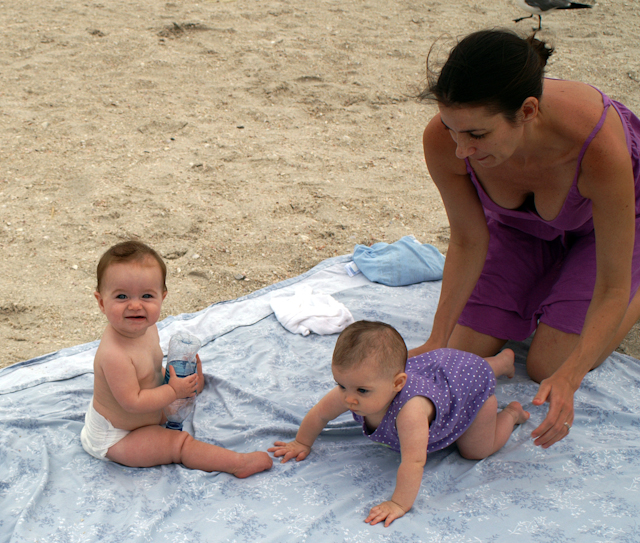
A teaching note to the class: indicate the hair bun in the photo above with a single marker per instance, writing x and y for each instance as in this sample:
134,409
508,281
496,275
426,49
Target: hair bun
541,48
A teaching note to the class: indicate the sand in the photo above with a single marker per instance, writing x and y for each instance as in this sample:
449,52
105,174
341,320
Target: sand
246,141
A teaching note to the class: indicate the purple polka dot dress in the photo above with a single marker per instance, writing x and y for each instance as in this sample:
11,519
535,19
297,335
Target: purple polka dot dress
458,383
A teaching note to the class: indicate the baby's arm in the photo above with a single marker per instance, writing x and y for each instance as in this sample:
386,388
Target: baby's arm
122,379
327,409
413,431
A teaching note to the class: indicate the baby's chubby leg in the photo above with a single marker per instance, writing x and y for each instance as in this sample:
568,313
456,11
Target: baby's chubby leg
490,430
155,445
199,455
503,363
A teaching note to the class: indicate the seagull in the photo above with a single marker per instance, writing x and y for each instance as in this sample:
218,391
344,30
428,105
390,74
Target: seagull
538,7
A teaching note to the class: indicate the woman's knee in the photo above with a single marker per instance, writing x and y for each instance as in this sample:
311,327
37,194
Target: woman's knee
467,339
549,349
537,370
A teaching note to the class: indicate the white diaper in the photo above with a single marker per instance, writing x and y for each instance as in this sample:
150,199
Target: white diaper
98,434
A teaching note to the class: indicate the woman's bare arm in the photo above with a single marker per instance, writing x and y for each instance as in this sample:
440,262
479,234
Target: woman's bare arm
469,237
607,180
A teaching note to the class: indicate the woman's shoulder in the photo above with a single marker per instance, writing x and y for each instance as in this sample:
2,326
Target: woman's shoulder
579,111
435,132
572,89
574,106
440,149
580,107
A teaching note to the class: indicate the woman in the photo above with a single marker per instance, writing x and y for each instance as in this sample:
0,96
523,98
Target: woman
540,179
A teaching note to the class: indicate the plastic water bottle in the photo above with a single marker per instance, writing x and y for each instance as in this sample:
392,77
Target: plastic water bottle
183,348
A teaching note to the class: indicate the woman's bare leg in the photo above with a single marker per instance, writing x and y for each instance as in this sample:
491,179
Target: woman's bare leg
550,347
630,318
467,339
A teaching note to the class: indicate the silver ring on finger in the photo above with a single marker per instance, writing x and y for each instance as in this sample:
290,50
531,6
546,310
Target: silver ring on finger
568,427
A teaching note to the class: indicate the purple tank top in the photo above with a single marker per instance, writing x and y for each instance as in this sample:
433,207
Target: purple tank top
458,383
575,215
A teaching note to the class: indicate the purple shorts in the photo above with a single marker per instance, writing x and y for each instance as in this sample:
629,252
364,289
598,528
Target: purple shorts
526,280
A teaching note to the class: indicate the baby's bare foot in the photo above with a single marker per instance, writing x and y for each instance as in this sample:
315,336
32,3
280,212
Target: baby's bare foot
253,463
503,363
519,415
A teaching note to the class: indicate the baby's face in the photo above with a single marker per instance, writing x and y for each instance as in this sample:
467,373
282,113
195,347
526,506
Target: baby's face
131,296
366,390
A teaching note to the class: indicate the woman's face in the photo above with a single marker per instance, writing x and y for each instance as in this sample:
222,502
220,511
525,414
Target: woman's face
484,137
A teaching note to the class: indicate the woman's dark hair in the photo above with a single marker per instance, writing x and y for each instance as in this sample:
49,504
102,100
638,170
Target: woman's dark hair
496,69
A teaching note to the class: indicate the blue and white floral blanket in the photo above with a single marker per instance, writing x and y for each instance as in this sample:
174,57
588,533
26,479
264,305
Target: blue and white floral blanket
260,382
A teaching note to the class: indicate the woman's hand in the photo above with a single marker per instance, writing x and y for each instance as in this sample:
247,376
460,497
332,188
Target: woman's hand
558,391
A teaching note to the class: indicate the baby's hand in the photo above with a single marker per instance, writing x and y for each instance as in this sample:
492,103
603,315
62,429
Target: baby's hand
387,511
293,449
184,387
200,374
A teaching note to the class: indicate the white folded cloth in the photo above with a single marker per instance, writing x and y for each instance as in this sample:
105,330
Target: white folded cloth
305,312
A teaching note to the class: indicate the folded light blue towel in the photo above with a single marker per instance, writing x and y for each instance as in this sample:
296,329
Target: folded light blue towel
404,262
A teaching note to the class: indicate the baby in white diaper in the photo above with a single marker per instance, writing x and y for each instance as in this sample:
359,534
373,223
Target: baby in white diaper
124,422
